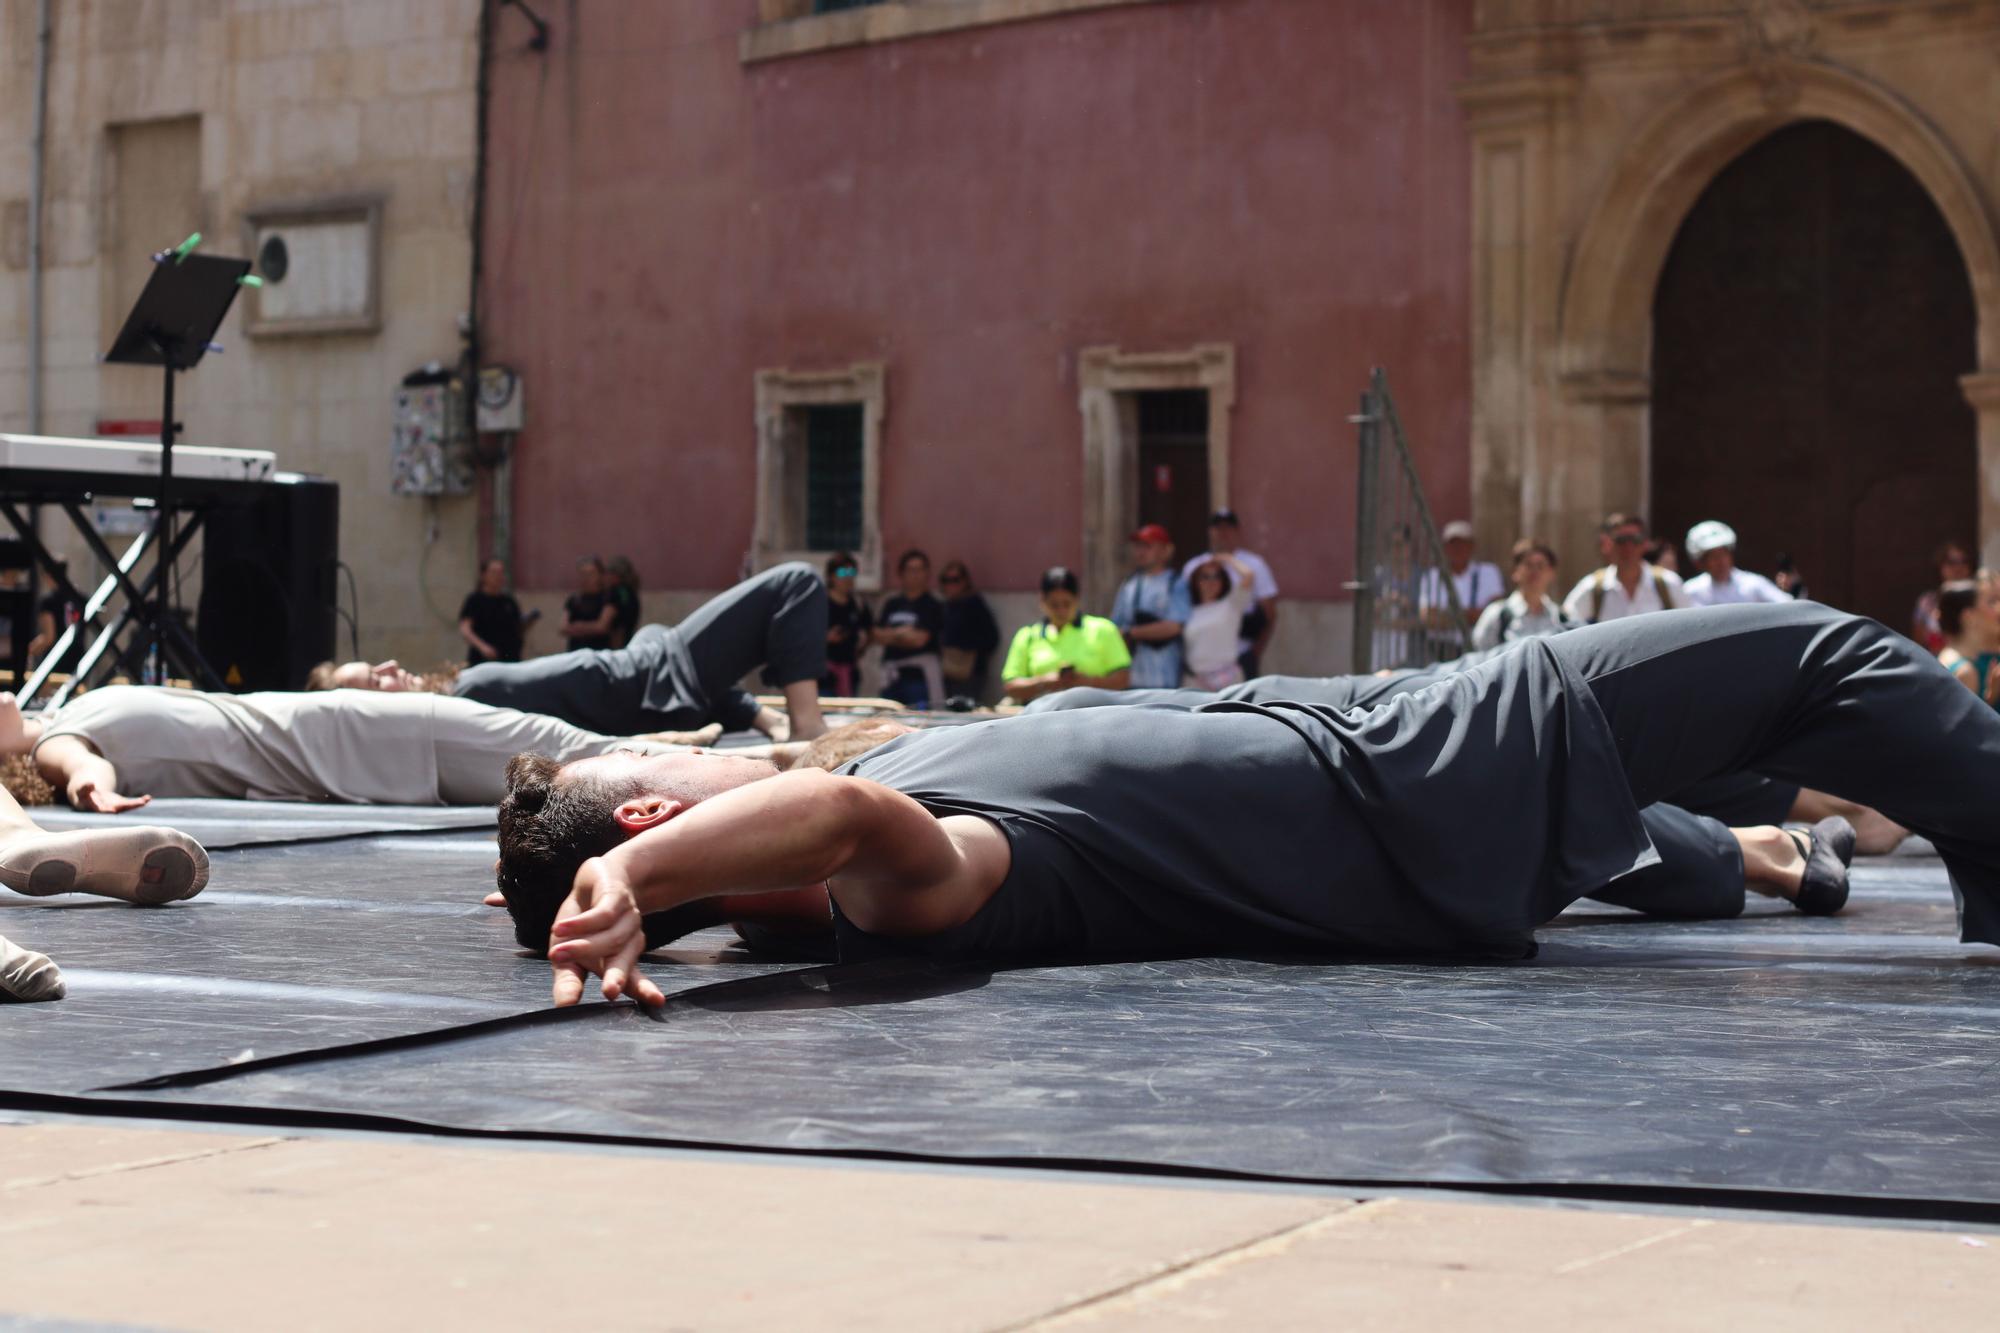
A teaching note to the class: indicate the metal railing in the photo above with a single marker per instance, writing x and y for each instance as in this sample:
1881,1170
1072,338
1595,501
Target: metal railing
1407,611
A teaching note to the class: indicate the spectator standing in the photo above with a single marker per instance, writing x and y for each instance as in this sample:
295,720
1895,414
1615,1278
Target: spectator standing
1628,585
971,634
1065,648
1712,547
1660,554
1954,565
490,620
908,628
1971,623
621,589
1150,610
1220,589
848,624
1478,581
1529,610
588,613
1260,621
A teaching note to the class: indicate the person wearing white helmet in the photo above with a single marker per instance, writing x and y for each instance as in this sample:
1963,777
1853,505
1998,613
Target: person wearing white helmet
1712,546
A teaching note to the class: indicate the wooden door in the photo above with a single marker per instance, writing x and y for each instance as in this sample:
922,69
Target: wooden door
1809,330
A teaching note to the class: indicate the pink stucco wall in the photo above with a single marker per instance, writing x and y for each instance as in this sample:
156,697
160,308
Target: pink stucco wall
1289,176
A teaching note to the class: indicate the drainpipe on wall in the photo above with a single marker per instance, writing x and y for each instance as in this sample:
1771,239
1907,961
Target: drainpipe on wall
37,181
499,476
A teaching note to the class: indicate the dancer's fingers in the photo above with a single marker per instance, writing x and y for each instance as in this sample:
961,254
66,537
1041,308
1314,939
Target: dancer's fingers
644,991
620,967
589,921
568,987
603,944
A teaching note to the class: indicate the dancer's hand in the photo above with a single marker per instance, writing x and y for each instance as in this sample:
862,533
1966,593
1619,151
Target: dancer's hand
599,929
89,794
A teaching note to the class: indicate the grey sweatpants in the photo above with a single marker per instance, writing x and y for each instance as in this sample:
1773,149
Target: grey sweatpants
675,678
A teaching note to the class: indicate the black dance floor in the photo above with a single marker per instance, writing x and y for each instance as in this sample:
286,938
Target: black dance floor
356,980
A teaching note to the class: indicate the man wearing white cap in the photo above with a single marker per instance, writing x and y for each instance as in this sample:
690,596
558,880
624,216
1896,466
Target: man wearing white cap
1712,546
1478,581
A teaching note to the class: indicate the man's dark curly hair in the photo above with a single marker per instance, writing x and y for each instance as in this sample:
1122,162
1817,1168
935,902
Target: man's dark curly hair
551,823
549,826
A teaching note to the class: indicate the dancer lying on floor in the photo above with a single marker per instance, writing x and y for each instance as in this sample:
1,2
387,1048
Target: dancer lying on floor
1735,799
1703,873
1452,821
668,678
115,748
141,864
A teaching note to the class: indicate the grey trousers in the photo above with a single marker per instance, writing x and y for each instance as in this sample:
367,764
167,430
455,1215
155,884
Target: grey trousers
675,678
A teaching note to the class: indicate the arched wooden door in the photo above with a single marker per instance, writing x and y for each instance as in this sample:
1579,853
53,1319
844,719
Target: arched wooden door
1809,329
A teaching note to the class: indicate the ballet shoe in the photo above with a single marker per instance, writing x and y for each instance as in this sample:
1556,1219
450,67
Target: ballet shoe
1839,835
1823,887
145,864
26,975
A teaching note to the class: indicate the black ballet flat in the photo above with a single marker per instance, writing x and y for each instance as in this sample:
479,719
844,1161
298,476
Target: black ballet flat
1828,846
1837,834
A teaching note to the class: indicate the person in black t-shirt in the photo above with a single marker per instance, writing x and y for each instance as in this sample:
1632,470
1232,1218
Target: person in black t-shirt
588,614
621,589
971,634
490,621
848,625
908,629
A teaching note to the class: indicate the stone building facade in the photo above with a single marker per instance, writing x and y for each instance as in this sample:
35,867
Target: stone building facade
1702,258
1607,375
171,116
1055,267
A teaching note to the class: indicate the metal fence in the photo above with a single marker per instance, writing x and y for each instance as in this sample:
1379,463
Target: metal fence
1406,610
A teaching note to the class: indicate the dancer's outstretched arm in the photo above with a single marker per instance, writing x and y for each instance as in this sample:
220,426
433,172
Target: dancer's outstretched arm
84,775
893,868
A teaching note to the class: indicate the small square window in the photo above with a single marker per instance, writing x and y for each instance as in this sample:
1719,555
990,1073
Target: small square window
320,262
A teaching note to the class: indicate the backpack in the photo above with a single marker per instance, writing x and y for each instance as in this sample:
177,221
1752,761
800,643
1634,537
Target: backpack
1601,584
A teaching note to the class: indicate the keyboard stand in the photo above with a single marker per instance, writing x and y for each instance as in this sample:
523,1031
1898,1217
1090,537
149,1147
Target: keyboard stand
139,605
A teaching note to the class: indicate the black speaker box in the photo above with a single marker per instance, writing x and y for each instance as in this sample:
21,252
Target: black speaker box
269,584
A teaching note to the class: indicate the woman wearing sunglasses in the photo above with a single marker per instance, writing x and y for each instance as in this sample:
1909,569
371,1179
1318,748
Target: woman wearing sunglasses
848,621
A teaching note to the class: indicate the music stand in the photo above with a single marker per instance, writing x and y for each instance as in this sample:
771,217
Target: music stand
171,326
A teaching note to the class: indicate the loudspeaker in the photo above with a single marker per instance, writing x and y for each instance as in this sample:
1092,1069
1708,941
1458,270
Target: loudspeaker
269,593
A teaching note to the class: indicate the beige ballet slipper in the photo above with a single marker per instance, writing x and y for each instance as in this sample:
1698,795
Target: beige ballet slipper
144,864
25,975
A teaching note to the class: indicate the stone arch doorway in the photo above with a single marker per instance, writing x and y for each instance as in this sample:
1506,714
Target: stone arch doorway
1811,325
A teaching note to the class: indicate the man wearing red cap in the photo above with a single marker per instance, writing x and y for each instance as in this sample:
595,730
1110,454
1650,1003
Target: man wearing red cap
1150,609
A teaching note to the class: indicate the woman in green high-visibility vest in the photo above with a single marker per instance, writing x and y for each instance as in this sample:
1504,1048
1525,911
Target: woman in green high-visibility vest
1063,648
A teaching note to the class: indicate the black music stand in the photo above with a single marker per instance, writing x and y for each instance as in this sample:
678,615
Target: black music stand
171,326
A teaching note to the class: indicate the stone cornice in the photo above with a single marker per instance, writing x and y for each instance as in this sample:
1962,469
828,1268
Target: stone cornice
893,21
1512,99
